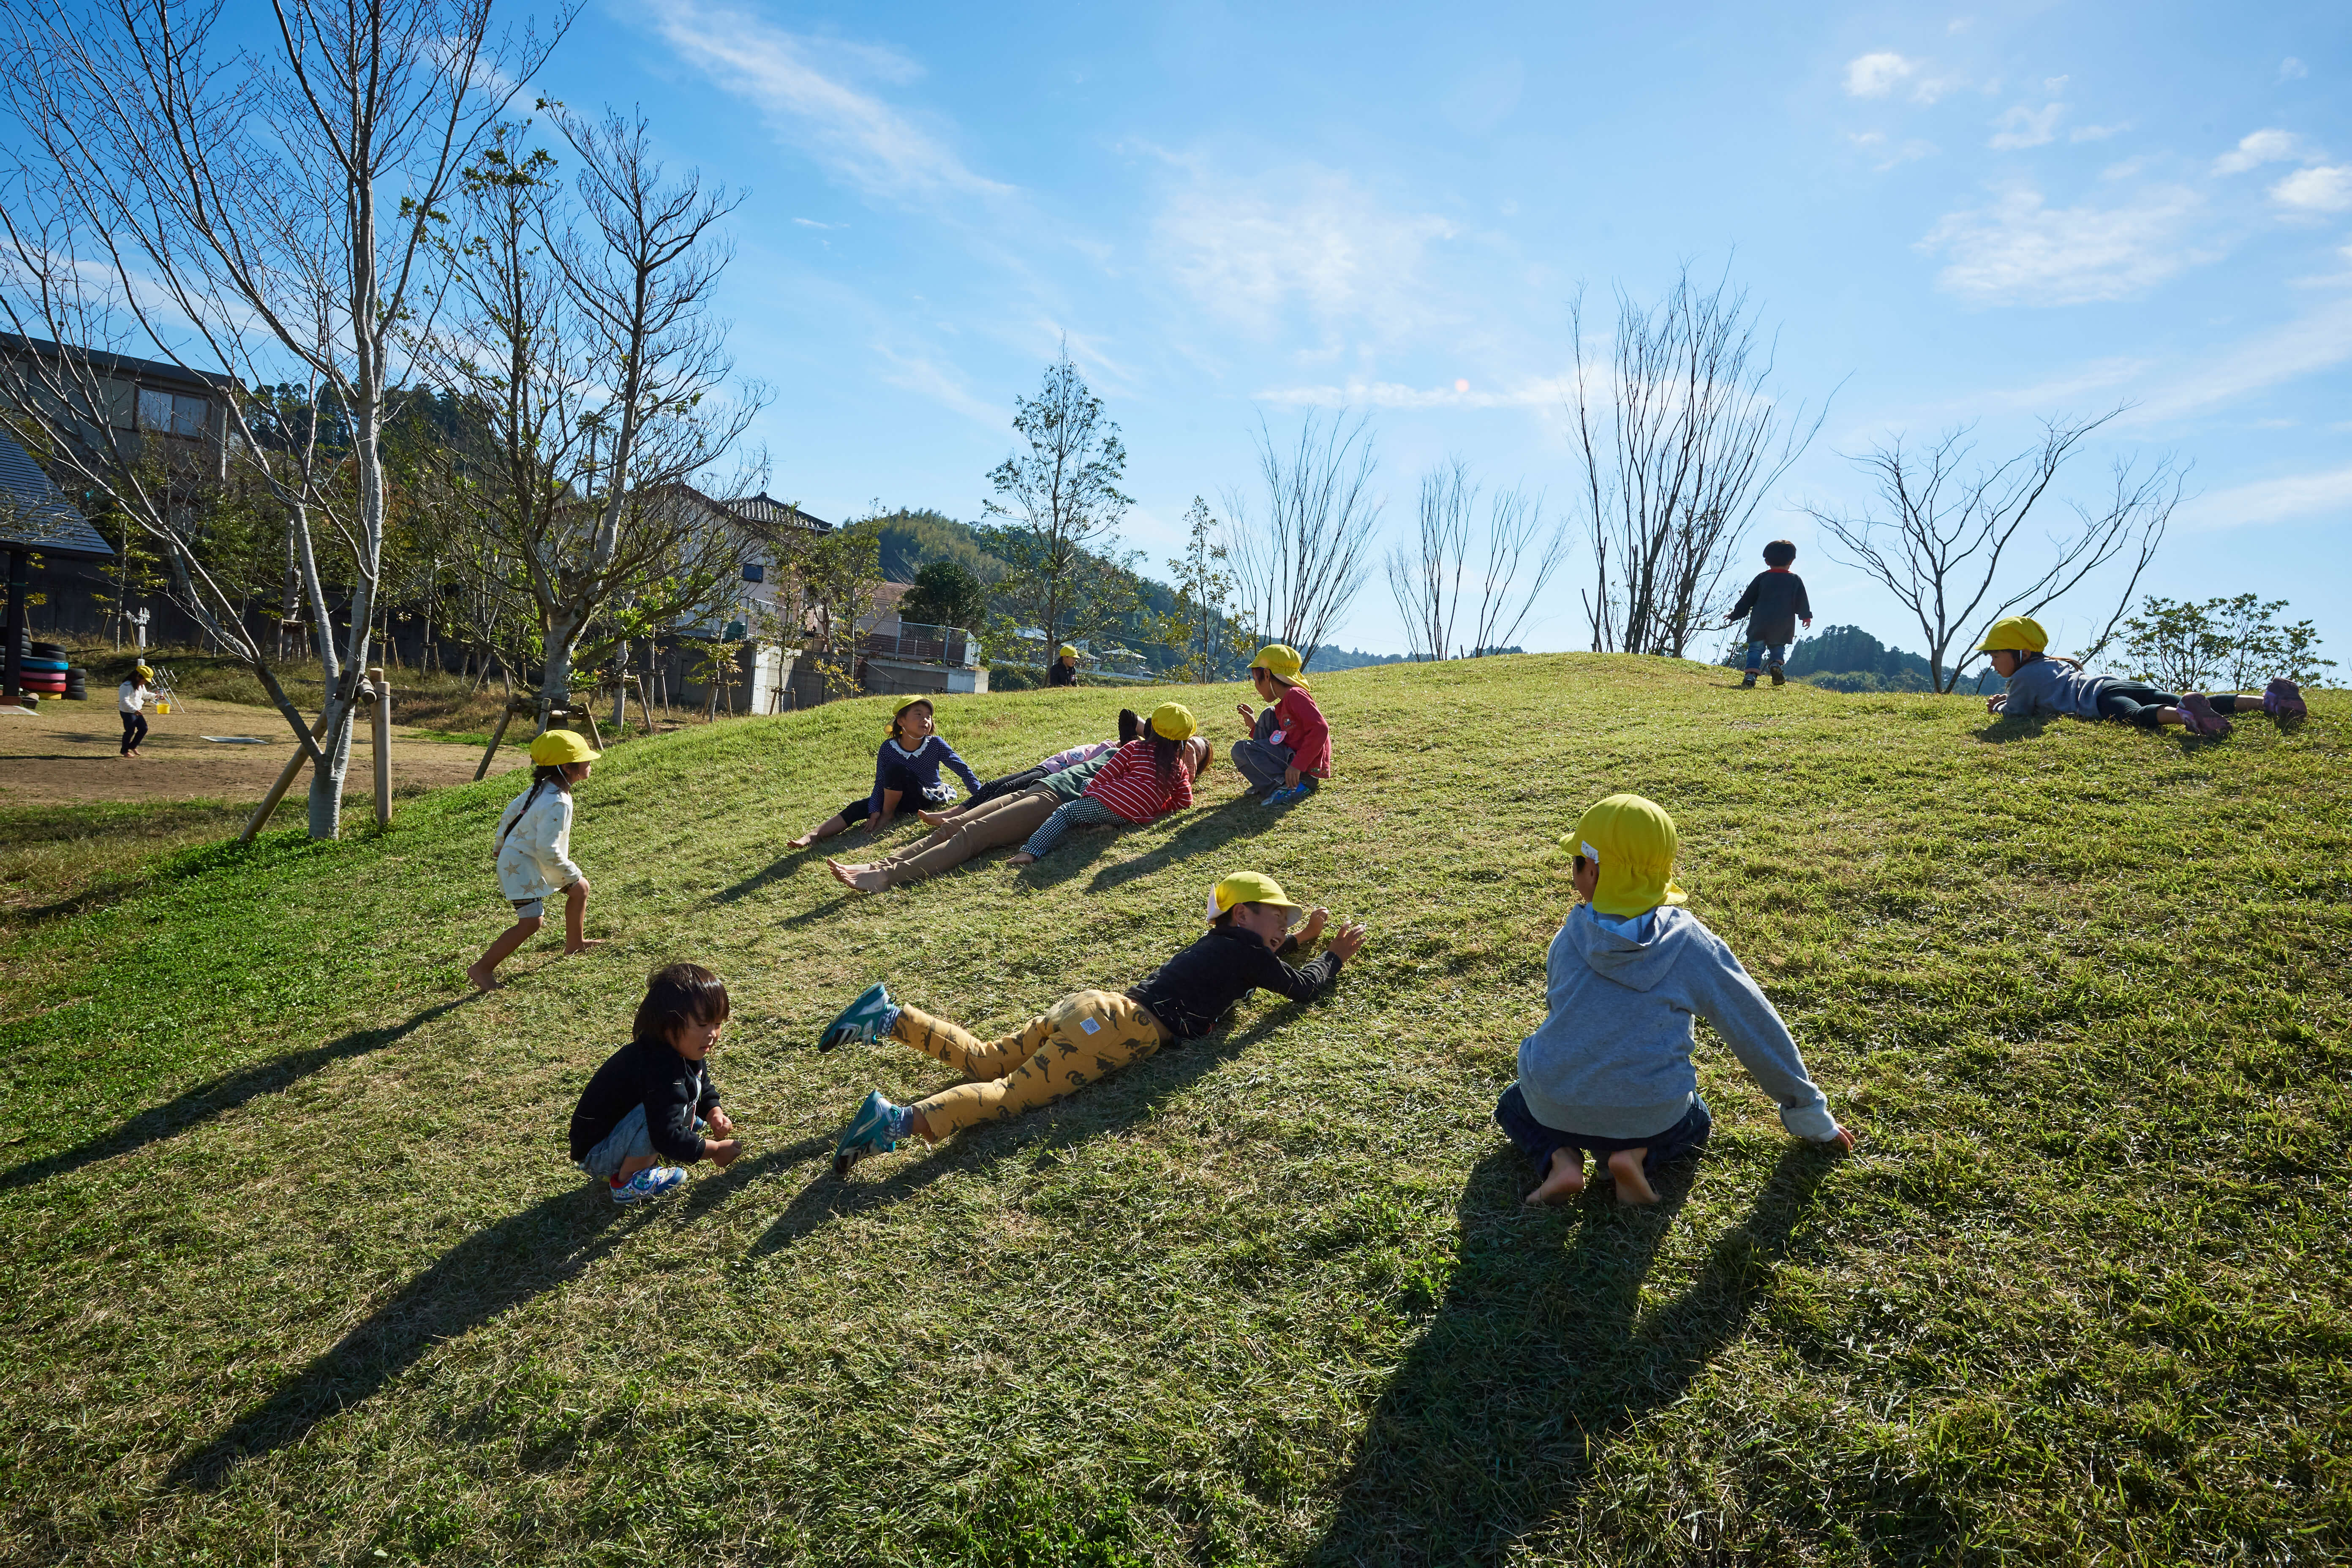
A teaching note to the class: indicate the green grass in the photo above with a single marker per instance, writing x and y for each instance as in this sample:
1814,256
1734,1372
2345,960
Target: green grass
294,1268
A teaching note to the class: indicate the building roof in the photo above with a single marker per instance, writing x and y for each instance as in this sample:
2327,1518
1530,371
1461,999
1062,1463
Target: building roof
764,507
123,364
34,514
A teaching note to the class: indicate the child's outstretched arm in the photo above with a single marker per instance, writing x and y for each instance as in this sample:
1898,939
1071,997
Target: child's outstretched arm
1728,997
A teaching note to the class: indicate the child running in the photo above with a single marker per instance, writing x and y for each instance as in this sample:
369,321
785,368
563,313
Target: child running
905,775
654,1097
1610,1072
132,697
1288,752
534,851
2039,683
1148,777
1774,603
1089,1036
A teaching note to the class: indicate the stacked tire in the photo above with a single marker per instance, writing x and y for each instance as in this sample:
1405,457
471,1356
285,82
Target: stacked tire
46,672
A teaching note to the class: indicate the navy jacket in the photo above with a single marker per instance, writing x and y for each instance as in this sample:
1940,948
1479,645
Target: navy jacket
918,772
1778,602
673,1091
1193,990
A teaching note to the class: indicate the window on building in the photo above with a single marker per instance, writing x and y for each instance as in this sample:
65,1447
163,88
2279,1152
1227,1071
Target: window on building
154,410
753,572
172,413
188,416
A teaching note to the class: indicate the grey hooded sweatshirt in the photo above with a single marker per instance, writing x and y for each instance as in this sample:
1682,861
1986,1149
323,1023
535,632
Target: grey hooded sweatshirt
1614,1058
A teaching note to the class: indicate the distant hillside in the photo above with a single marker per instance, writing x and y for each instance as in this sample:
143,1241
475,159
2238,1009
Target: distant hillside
1847,658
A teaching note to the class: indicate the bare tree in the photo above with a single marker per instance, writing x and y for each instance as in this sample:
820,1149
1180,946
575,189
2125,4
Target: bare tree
1952,547
1450,559
1677,448
1298,571
257,209
1066,499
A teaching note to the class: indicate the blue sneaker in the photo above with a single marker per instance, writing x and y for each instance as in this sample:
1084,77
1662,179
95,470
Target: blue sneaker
1293,793
874,1130
868,1019
651,1183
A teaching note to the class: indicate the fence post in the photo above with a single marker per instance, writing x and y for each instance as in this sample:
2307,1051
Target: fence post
383,738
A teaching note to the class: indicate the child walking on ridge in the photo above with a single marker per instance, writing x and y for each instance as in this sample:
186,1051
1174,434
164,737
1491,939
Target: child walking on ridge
654,1097
905,777
1288,752
1774,603
534,851
1609,1073
1092,1034
2042,683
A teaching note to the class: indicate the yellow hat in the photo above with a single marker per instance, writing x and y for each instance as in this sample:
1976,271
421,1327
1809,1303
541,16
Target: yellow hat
2018,634
1174,721
144,672
1281,661
1065,651
559,747
1247,888
898,711
1633,840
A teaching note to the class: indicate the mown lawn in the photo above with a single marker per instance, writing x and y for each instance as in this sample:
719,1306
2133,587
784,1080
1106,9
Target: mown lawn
295,1270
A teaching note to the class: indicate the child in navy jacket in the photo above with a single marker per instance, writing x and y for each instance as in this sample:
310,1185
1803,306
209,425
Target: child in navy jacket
905,777
1775,602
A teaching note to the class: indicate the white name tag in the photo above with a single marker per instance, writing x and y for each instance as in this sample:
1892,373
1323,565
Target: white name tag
1090,1026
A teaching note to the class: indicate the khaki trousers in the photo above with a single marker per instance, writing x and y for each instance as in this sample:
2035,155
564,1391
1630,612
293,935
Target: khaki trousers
1075,1041
1008,819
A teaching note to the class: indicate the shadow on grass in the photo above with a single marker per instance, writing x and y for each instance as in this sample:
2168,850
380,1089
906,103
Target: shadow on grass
1202,832
510,1263
776,871
207,1100
1538,1356
1066,1122
2001,732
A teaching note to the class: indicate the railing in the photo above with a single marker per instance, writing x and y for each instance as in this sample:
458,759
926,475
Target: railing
919,644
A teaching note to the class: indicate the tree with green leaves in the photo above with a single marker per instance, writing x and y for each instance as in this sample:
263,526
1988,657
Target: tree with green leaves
1063,500
1203,628
945,595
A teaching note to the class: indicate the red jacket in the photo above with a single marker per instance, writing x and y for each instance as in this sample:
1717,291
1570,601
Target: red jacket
1298,724
1129,783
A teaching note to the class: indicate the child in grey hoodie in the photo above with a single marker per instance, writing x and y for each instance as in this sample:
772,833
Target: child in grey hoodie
1610,1072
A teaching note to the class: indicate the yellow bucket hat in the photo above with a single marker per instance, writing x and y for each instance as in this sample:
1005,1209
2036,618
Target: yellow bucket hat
142,672
1065,651
559,747
1281,661
899,712
1634,842
1247,888
2018,634
1174,721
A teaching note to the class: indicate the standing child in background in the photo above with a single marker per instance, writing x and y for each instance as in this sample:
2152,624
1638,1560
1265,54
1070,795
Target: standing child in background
1064,671
534,851
2043,683
1774,603
1289,752
1148,777
905,777
1610,1072
131,697
654,1097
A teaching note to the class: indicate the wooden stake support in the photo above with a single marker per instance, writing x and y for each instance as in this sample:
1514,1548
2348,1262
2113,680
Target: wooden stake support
383,737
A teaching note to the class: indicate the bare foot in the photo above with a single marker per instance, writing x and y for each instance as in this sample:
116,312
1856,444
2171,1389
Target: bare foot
1633,1184
1024,858
863,879
1563,1182
803,842
585,943
483,979
934,818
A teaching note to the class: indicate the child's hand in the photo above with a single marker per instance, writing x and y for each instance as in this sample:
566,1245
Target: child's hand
719,1122
722,1153
1315,920
1290,778
1993,704
1845,1141
1244,710
1349,939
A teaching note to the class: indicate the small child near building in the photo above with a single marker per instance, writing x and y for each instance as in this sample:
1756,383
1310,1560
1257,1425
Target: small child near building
1086,1037
2039,683
534,853
1288,752
1608,1073
654,1097
1774,603
905,777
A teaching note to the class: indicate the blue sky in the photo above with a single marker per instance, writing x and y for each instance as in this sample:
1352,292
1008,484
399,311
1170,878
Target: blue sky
1230,213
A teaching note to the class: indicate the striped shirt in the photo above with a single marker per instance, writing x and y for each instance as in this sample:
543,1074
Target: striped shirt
1129,783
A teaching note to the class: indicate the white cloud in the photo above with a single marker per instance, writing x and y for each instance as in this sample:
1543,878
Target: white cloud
1540,392
812,223
1932,88
2318,341
2021,127
2291,69
2280,500
1875,76
921,374
1885,157
2326,188
2022,251
2097,132
2259,148
2055,83
854,134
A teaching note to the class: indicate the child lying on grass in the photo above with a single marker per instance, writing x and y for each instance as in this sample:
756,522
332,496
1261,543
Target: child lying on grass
2041,684
1145,779
1610,1072
1092,1034
1129,726
654,1097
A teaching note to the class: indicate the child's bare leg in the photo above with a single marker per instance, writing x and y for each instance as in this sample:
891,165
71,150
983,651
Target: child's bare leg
921,1126
575,910
634,1164
942,818
1563,1181
1632,1182
483,971
825,829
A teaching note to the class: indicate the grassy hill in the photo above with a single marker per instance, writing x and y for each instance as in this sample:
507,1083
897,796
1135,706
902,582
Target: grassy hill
295,1268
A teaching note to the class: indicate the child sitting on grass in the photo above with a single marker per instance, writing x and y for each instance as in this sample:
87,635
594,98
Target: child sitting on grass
1289,752
534,851
1092,1034
654,1097
1610,1072
1147,778
2041,684
1774,603
905,777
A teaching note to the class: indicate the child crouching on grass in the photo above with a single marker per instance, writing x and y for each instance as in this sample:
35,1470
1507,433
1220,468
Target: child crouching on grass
2040,682
1288,752
534,850
1610,1072
1092,1034
654,1097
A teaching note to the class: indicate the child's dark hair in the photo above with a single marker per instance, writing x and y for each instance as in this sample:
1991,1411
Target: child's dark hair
1779,553
677,994
541,778
1164,755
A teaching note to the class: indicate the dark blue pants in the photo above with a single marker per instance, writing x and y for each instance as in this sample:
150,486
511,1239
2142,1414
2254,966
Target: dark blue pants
1539,1142
1756,653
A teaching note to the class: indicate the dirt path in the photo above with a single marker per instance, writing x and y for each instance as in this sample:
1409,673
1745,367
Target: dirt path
68,751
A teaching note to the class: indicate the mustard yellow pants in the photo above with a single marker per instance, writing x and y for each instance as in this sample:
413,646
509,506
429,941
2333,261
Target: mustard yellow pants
1070,1045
